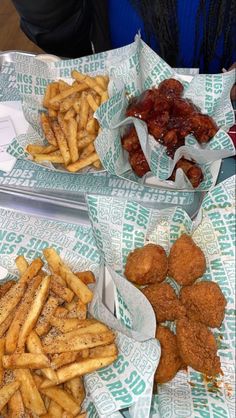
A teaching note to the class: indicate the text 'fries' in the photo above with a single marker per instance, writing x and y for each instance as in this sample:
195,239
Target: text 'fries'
47,343
69,124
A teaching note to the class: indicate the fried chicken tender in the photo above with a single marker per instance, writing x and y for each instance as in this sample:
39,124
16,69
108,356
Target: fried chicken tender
146,265
139,162
171,87
170,361
197,347
130,141
203,127
186,261
204,302
190,169
164,301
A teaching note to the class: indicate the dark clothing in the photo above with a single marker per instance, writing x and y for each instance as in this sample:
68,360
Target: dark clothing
65,27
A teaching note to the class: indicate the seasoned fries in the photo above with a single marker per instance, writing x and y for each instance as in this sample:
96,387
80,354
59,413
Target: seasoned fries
47,343
68,124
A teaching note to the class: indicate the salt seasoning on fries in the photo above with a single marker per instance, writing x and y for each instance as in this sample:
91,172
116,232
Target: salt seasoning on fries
48,344
69,124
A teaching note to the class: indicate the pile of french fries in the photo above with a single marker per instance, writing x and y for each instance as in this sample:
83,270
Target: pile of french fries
69,124
47,343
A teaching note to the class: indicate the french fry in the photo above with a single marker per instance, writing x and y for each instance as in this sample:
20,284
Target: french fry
52,158
78,165
83,142
62,142
43,323
91,326
48,132
76,105
91,82
52,113
34,346
68,92
104,97
76,387
40,149
2,351
5,287
97,164
20,314
92,126
31,271
65,324
63,292
69,114
92,103
16,406
63,124
106,351
21,264
30,394
87,151
81,310
84,111
54,90
6,393
33,314
62,398
102,81
55,410
61,312
74,283
79,369
25,360
6,324
79,342
9,301
62,359
72,139
47,96
66,104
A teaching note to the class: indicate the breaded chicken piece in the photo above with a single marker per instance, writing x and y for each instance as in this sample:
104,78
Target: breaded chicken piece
205,303
170,361
197,346
186,261
148,264
164,301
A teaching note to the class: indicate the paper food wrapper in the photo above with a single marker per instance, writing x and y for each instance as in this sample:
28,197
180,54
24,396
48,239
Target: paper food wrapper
130,378
131,69
142,69
120,226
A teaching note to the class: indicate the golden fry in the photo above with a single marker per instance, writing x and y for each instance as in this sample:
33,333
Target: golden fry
2,351
92,103
25,360
33,314
43,323
87,151
76,387
79,369
6,393
106,351
72,140
47,96
62,142
29,392
21,264
9,301
59,360
40,149
69,114
84,111
66,93
48,132
92,126
5,287
55,410
61,312
85,141
52,158
104,97
34,346
78,165
16,406
20,315
62,398
79,342
62,291
31,271
6,324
